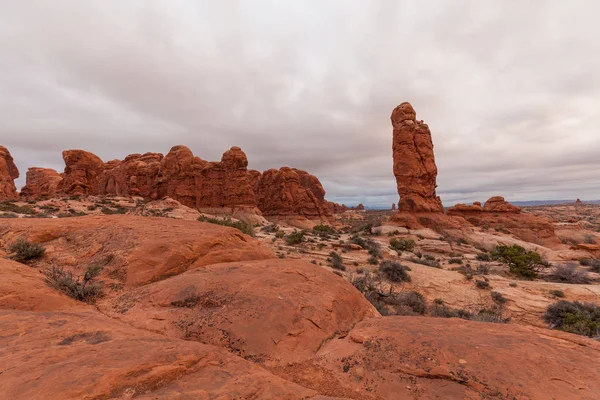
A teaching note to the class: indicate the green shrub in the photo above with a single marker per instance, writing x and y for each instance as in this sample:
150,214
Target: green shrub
239,225
394,272
521,262
512,284
25,251
373,260
401,245
294,238
557,293
455,261
574,317
83,289
115,211
440,310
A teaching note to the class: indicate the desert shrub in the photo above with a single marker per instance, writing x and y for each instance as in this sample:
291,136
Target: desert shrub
429,257
512,284
13,208
296,237
522,263
557,293
115,211
9,215
493,315
483,257
482,284
271,228
498,297
401,245
594,265
589,239
336,261
26,251
394,272
323,230
239,225
370,245
279,234
409,303
455,261
440,310
426,261
569,273
83,288
574,317
373,260
483,269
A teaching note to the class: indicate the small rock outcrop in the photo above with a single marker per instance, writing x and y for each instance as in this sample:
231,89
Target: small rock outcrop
82,169
40,183
8,173
497,204
414,162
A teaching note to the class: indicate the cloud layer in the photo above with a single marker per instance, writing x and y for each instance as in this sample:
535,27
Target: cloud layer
510,90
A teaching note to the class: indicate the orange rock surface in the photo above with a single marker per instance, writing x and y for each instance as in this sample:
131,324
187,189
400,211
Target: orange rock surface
267,311
289,191
41,183
81,173
414,162
8,173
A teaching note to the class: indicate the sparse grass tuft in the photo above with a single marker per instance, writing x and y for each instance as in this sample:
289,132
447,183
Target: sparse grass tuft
239,225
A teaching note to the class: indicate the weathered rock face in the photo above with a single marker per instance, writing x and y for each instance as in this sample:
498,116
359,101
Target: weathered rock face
81,173
8,173
289,191
41,182
414,162
497,204
227,183
465,208
136,175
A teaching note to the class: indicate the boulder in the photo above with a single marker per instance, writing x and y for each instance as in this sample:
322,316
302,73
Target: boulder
497,204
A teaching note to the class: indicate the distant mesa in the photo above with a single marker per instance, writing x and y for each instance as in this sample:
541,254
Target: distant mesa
579,202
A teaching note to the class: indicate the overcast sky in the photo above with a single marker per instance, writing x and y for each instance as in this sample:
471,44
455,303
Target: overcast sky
510,89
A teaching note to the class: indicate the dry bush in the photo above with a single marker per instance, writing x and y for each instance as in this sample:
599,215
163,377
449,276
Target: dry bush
26,251
569,273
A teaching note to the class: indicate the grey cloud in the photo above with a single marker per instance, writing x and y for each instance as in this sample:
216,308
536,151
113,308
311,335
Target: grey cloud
509,89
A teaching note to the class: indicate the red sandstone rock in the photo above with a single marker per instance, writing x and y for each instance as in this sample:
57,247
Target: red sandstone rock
81,173
136,175
497,204
227,183
414,162
393,206
465,208
41,182
8,173
289,191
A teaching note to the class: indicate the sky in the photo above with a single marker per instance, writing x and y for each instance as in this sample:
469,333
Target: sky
510,89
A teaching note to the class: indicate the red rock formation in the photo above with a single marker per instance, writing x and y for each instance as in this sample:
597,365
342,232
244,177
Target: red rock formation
497,204
227,183
459,209
414,162
289,192
8,173
81,173
136,175
393,206
359,207
41,182
178,175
